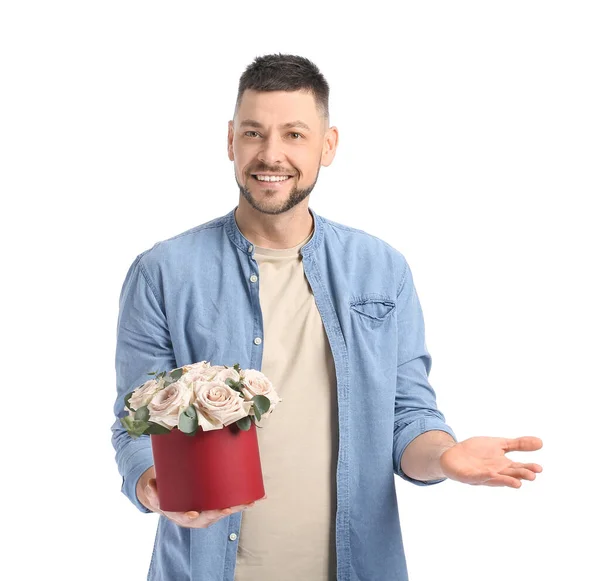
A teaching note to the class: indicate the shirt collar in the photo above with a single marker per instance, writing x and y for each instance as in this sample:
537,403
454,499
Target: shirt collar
246,246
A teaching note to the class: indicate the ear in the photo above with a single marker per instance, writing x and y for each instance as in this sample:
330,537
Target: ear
329,146
230,140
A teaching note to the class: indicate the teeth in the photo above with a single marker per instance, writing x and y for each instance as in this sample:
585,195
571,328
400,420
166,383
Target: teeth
271,178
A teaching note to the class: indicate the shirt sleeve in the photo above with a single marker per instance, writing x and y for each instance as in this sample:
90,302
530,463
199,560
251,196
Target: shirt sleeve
143,345
415,409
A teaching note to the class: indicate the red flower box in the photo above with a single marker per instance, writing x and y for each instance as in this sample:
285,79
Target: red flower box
210,470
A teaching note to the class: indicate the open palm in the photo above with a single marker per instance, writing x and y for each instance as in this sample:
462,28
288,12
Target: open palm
482,460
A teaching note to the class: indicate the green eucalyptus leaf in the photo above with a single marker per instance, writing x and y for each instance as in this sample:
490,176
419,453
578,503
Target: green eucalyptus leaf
135,428
244,424
257,413
127,398
142,413
188,420
127,422
156,429
235,385
152,373
261,403
176,373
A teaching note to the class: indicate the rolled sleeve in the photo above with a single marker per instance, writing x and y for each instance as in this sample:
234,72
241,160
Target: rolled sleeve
133,463
143,345
403,437
415,409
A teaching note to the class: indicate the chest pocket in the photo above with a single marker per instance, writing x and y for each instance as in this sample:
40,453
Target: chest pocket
373,306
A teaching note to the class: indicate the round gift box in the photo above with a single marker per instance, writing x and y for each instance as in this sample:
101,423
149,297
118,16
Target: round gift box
210,470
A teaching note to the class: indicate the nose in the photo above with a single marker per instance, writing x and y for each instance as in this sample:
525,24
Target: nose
271,153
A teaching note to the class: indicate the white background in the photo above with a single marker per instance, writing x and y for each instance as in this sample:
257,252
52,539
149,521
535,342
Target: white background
469,140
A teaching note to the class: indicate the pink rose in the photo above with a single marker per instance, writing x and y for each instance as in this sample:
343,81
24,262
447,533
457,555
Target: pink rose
198,372
227,373
256,383
142,395
218,405
168,403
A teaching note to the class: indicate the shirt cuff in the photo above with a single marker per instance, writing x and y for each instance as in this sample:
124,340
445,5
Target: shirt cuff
409,433
136,464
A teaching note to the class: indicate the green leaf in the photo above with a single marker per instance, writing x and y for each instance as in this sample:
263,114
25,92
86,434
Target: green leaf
156,429
135,428
235,385
257,413
261,403
237,367
127,398
244,424
152,373
176,373
161,375
188,420
142,413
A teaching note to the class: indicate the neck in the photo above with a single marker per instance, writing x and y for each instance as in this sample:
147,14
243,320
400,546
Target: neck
275,231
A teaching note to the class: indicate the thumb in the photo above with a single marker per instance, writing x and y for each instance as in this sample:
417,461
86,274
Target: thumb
151,492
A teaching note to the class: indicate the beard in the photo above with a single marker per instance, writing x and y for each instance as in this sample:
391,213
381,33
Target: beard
267,206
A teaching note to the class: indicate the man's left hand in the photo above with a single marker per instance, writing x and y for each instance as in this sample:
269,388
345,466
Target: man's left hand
482,460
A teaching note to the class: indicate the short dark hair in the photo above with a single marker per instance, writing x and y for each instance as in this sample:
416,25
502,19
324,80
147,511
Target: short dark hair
286,72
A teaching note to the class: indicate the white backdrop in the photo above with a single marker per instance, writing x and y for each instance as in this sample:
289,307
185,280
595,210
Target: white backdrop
468,141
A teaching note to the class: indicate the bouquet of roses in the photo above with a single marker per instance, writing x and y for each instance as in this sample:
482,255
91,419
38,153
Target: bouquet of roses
199,395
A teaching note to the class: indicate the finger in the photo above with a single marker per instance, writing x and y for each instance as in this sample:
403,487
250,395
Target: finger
243,506
519,473
152,497
523,444
529,466
503,480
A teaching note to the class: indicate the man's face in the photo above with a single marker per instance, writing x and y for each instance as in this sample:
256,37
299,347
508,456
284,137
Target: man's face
278,132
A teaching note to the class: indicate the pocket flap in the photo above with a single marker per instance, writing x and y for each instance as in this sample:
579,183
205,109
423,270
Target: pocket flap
377,308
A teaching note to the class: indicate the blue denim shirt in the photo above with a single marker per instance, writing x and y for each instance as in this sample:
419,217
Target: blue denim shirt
190,298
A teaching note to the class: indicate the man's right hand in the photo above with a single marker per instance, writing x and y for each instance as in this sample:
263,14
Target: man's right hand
147,494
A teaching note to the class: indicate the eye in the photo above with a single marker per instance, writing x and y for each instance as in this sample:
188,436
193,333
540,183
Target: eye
294,133
251,132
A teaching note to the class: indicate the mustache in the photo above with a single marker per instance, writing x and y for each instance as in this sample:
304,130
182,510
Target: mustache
271,170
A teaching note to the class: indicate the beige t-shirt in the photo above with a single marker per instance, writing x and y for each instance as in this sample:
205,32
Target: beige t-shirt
291,534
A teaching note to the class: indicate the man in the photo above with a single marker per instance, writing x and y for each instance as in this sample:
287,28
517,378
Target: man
331,315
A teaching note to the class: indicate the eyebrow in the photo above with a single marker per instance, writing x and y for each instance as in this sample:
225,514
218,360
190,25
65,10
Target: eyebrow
290,125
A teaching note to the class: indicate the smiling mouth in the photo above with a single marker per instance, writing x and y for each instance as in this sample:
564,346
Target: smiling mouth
276,182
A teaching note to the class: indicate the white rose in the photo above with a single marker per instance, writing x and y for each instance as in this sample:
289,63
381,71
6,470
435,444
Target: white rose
168,403
256,383
143,394
218,405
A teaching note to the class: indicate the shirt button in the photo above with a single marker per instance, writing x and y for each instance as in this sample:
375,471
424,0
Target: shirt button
253,278
232,537
250,248
257,341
